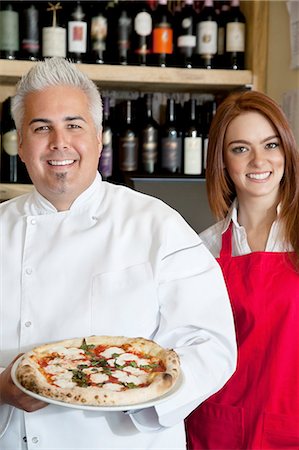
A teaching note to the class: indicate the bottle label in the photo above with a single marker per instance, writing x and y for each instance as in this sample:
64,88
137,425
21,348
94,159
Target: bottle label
128,154
143,24
193,155
77,33
98,32
207,38
235,37
205,152
187,41
9,31
172,154
162,40
149,150
124,29
54,42
105,164
10,142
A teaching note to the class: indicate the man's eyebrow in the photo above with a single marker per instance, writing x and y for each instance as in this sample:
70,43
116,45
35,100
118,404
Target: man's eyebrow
66,119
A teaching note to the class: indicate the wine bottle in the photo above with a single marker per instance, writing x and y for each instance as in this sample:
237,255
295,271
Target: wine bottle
206,36
29,31
106,158
162,52
120,35
77,34
98,32
149,138
128,141
142,34
222,21
235,37
208,112
9,31
186,37
13,169
192,143
54,36
171,141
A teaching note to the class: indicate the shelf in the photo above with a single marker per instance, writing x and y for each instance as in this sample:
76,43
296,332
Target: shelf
145,78
11,190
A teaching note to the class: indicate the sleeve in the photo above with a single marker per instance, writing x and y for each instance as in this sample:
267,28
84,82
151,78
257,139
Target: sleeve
196,320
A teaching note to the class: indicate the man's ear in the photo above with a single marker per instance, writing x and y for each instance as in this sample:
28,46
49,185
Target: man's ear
20,146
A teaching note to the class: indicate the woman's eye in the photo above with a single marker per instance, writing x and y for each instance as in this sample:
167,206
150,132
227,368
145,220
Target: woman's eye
239,149
272,145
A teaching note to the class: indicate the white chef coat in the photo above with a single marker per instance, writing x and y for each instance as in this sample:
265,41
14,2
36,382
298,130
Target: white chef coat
212,236
119,263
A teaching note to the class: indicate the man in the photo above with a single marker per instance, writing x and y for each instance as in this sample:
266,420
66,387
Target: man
80,257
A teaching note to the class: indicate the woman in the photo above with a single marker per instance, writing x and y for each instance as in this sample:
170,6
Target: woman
253,189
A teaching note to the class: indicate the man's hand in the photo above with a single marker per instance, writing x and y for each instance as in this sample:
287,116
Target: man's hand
11,395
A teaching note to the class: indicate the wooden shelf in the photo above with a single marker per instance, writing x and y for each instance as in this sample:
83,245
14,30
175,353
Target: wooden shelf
11,190
139,78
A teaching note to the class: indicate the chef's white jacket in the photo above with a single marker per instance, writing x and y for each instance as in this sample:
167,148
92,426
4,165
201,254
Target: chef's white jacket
118,263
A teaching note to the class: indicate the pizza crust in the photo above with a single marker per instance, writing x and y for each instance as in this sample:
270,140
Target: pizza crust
29,375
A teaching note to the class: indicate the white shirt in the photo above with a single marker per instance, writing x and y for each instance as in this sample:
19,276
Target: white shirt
117,263
212,237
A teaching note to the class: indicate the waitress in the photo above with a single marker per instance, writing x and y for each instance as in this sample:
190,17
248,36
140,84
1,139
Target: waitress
252,183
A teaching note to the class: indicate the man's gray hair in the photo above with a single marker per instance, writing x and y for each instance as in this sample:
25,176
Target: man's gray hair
51,72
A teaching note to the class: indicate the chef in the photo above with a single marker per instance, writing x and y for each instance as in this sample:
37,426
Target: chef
79,257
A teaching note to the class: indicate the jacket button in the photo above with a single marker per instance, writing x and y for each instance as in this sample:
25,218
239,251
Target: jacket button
35,440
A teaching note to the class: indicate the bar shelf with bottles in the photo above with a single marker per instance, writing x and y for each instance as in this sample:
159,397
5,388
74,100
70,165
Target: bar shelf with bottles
136,74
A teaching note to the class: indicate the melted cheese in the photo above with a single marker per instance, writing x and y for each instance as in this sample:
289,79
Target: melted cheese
112,387
99,378
125,377
122,359
111,351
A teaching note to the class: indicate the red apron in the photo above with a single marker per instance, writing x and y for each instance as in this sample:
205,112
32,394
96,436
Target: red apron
258,408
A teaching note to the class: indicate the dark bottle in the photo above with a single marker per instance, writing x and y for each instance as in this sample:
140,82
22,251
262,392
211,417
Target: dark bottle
120,33
29,33
142,34
222,21
128,141
149,138
9,31
171,141
192,144
206,37
106,158
77,34
186,37
54,33
235,37
13,169
162,52
98,32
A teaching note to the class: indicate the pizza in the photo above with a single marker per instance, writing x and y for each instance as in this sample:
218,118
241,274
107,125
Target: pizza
100,370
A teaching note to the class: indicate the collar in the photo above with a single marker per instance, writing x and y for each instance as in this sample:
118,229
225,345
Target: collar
39,205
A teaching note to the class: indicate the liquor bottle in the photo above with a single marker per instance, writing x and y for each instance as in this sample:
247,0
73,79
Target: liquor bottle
207,114
235,37
142,33
9,31
13,169
98,32
120,33
186,37
162,51
192,143
106,158
128,141
54,36
171,141
77,34
222,21
206,36
149,138
29,31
